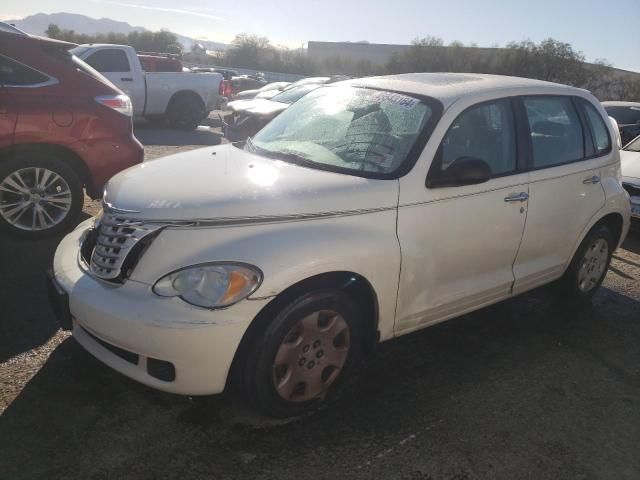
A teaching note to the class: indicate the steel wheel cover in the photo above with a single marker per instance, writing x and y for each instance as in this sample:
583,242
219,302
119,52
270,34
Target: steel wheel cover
593,265
34,198
311,356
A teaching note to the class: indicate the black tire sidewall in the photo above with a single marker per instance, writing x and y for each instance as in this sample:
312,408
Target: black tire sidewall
51,162
258,372
569,282
180,111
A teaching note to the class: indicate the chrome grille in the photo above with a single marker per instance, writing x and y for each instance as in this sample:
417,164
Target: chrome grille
114,244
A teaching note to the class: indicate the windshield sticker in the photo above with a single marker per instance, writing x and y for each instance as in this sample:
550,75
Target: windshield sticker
398,99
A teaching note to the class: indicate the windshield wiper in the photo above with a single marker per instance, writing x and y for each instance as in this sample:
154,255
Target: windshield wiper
292,157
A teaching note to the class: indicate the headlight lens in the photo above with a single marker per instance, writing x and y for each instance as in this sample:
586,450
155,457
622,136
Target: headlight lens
211,285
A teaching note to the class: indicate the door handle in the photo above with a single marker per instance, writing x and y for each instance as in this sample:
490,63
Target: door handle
591,180
517,197
126,79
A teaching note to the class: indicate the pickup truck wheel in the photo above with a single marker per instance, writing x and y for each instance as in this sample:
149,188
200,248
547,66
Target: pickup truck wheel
304,354
185,112
40,195
589,266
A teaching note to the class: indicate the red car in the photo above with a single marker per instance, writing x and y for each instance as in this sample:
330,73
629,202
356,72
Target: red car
63,126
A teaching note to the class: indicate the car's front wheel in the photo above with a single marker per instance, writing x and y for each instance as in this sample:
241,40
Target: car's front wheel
589,265
40,195
304,354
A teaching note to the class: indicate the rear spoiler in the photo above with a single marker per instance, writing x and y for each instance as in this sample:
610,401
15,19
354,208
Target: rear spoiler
53,43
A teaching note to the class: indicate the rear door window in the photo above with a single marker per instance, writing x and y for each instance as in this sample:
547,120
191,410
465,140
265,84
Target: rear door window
556,131
109,60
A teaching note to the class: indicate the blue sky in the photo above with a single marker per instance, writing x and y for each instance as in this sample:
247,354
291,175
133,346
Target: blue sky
600,29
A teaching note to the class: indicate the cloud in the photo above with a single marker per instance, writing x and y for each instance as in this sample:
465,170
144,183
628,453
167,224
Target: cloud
163,9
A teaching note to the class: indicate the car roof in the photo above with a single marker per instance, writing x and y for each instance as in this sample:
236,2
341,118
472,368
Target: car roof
620,104
448,87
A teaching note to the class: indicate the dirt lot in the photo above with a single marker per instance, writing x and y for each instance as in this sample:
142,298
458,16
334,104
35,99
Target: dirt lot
523,389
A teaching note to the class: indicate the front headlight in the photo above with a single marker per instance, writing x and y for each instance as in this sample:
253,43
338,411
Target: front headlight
210,285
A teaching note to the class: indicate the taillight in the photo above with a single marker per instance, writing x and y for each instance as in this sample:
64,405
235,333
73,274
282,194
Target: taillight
221,88
119,103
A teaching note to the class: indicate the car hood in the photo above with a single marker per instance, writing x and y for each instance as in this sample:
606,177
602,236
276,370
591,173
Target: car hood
246,94
630,166
257,106
268,94
227,184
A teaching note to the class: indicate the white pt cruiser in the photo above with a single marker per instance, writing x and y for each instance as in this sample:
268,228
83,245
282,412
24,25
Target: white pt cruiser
369,209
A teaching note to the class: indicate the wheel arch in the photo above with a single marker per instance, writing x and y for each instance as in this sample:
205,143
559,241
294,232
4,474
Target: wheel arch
615,223
182,94
614,220
354,284
61,152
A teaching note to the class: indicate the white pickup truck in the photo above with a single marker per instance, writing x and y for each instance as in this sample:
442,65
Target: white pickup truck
184,98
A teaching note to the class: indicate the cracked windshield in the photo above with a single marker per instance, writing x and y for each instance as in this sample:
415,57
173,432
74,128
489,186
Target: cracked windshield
353,129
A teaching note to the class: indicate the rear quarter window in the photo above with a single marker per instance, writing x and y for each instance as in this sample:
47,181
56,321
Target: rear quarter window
16,74
601,140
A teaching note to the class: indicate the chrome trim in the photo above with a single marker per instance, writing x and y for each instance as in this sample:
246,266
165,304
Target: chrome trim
591,180
113,245
229,221
108,207
517,197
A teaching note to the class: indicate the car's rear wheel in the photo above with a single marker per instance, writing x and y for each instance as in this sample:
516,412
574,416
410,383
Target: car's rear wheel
589,265
186,111
304,354
40,195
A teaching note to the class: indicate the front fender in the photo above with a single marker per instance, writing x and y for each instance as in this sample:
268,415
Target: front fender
290,252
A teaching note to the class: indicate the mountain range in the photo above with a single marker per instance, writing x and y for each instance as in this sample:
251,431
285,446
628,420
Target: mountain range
37,24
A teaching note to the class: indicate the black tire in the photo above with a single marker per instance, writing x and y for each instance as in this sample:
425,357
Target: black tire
259,368
568,287
49,161
186,111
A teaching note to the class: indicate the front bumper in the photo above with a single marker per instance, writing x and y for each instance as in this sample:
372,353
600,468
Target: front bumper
107,319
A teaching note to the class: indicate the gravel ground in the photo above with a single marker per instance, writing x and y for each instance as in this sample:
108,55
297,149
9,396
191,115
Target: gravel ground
523,389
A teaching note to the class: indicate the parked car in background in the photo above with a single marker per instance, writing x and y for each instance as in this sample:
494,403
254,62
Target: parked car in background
630,167
627,114
365,211
249,116
183,98
160,62
268,91
63,126
242,83
307,81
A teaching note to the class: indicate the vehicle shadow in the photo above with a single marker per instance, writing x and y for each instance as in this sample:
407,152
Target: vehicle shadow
151,135
632,242
26,321
526,379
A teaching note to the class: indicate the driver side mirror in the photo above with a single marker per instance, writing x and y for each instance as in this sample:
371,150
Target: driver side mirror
463,171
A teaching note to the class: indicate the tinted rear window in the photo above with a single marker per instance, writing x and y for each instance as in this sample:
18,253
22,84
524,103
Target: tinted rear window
624,115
